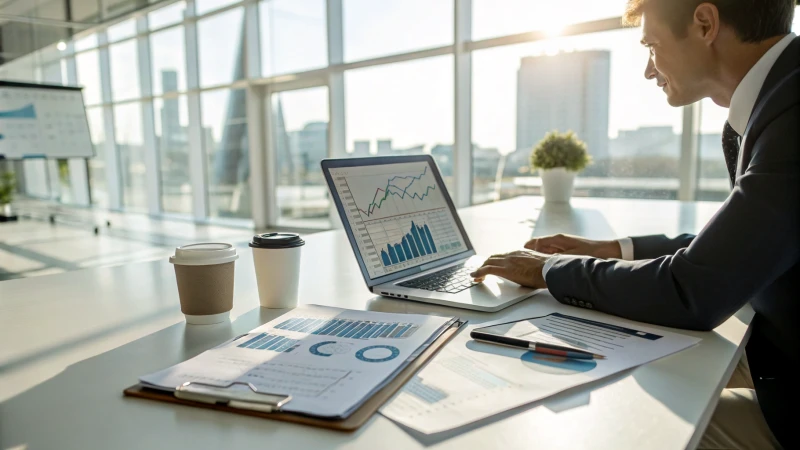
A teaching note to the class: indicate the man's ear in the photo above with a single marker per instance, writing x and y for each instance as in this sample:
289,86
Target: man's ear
706,22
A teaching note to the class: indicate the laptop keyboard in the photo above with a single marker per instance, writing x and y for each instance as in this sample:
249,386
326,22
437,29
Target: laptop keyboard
451,280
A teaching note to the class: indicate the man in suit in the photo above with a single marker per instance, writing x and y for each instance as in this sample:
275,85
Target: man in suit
741,54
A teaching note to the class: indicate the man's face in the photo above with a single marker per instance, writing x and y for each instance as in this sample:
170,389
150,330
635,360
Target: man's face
678,64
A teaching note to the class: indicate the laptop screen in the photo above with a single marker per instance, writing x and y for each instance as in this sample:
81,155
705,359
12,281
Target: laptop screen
399,215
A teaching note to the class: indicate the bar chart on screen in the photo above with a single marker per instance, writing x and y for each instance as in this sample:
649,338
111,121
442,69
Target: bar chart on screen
399,215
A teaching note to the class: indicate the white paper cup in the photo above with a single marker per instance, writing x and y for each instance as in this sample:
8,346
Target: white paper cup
276,258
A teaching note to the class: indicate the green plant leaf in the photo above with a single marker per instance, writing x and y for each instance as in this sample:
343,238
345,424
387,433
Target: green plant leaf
560,150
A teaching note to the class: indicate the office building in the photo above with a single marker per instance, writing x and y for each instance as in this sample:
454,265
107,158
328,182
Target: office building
566,91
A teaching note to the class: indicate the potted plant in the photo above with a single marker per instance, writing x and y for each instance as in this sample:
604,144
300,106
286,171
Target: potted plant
7,186
559,156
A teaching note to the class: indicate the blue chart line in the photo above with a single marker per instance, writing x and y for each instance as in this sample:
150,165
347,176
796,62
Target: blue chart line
356,329
402,194
417,242
26,112
264,341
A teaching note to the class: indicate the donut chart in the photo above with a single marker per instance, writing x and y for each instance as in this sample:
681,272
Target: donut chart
378,356
328,348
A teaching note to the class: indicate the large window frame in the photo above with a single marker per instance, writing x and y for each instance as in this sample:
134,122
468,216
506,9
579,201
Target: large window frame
259,88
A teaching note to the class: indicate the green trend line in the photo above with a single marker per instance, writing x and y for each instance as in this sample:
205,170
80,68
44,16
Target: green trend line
377,204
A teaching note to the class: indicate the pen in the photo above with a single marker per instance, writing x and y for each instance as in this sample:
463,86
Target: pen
537,347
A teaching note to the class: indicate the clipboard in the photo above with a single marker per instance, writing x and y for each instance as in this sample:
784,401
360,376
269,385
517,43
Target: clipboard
269,406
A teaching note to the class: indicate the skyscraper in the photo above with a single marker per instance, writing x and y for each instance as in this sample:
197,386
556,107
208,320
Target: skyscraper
171,130
566,91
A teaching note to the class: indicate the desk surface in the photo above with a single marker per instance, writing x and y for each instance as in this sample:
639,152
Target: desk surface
71,342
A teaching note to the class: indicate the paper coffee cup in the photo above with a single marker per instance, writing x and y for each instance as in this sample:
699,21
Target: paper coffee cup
276,257
204,273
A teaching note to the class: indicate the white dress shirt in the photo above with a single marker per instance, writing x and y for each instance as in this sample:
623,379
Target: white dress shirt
742,103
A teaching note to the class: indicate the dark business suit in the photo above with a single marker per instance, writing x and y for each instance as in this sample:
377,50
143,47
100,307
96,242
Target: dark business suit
748,252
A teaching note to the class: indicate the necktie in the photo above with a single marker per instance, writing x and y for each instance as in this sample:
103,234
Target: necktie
730,148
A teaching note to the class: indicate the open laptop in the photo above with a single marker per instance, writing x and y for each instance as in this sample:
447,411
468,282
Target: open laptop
406,234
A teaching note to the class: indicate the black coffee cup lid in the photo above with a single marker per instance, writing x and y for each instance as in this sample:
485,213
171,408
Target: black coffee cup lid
277,240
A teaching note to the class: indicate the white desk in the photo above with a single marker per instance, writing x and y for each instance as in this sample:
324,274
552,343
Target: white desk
109,325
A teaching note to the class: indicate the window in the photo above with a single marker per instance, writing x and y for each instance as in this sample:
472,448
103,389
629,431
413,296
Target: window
171,123
293,36
167,15
402,109
86,43
122,30
591,84
221,54
88,67
97,165
492,18
204,6
300,133
124,71
713,179
168,60
379,28
130,148
226,149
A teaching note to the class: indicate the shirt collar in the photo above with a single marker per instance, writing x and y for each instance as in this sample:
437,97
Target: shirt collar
744,97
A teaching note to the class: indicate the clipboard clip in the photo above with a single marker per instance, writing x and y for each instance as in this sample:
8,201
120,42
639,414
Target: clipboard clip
215,394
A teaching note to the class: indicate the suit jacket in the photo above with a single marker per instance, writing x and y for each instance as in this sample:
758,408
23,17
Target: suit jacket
748,252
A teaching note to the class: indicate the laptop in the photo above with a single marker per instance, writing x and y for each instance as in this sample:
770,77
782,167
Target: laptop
406,234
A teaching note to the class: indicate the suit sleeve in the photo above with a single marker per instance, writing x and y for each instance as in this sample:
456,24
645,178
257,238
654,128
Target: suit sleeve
650,247
751,241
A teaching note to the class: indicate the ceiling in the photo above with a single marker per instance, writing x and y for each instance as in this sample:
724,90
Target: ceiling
29,25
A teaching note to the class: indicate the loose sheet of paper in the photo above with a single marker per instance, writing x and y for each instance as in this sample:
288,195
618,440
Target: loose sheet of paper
470,380
328,359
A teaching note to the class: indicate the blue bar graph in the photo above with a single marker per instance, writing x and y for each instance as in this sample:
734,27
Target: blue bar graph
401,255
407,249
418,242
356,329
430,238
272,342
412,245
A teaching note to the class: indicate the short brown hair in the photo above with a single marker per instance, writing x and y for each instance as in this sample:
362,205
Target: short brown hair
752,20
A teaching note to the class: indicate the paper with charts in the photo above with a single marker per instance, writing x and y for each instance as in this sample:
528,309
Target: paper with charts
468,380
329,360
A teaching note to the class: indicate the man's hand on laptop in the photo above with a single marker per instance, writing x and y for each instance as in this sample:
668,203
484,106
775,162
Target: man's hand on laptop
523,267
575,245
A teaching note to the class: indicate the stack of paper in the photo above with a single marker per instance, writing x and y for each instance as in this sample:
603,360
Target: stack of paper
329,360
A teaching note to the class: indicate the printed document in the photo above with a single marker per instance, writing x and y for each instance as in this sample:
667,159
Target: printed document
469,380
329,360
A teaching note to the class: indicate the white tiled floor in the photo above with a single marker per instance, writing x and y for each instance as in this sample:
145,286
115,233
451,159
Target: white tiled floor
31,247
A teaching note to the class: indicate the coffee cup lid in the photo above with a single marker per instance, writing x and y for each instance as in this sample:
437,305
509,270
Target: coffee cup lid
277,240
204,254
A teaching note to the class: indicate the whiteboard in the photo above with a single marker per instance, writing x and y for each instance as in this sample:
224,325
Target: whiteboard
43,121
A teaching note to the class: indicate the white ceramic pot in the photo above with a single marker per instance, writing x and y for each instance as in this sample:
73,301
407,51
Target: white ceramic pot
5,210
557,184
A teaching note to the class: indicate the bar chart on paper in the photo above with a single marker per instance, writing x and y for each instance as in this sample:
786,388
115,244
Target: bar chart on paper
356,329
399,215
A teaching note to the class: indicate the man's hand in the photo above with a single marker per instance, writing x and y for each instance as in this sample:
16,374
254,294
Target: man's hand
574,245
522,267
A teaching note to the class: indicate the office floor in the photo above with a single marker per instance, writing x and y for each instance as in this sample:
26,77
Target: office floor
33,246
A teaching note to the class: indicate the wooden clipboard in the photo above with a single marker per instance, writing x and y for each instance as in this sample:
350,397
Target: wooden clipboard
351,423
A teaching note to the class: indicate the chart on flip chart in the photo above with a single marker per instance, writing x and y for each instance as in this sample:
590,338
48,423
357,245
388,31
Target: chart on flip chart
43,122
398,214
